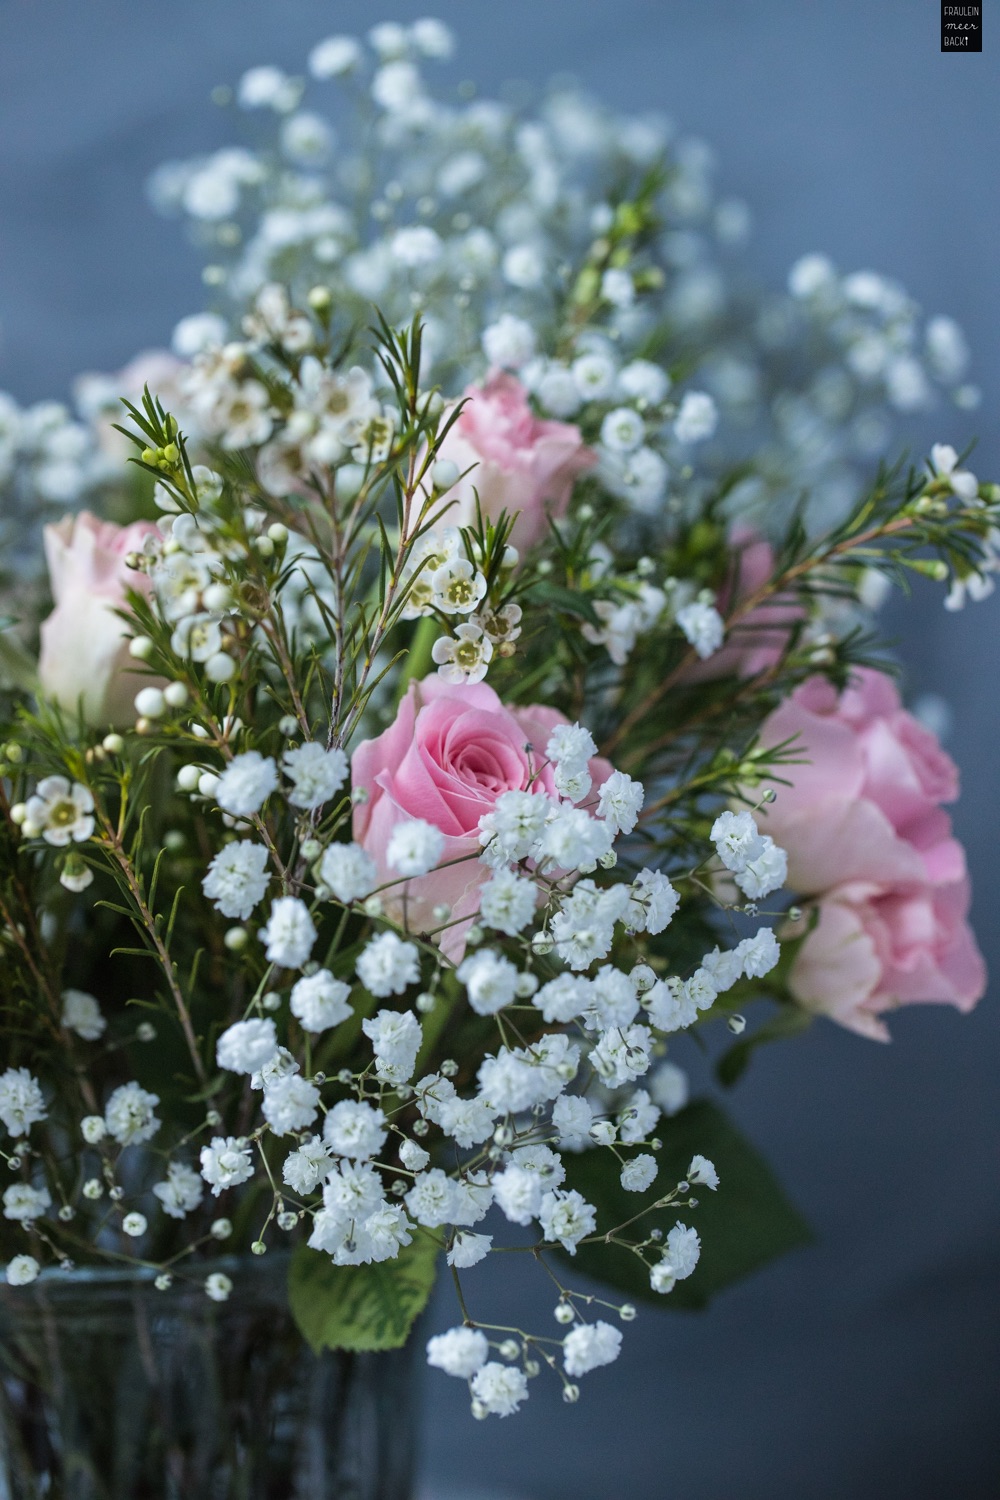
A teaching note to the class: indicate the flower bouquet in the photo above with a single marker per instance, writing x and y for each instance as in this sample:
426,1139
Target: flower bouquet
469,695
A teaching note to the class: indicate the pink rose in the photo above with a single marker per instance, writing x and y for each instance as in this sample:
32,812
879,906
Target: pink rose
84,660
522,464
866,836
447,757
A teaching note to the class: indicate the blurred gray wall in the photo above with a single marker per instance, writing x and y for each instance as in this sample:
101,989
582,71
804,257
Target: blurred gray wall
867,1366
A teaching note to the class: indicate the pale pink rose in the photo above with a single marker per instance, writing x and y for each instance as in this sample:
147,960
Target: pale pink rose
447,757
866,836
522,464
84,661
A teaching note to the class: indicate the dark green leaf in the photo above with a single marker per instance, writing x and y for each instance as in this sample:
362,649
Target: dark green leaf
361,1307
745,1223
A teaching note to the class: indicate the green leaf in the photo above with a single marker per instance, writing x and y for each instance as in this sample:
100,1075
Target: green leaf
361,1307
745,1223
563,600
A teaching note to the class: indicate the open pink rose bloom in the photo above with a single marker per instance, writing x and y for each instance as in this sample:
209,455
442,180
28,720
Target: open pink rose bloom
448,756
866,837
517,462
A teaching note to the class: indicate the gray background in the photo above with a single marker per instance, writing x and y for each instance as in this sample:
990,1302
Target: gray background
865,1366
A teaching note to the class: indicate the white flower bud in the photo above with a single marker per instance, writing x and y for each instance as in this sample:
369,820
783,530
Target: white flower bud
220,667
175,694
150,703
141,647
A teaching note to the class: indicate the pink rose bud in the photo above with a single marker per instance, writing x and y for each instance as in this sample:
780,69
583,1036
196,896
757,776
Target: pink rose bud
865,834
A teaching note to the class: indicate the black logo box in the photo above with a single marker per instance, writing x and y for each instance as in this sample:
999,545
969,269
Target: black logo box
961,27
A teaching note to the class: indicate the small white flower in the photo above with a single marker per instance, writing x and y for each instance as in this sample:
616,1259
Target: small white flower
317,774
682,1251
570,744
415,847
129,1115
765,873
589,1346
355,1129
412,1156
82,1014
617,287
134,1225
226,1162
463,657
181,1191
23,1203
246,784
669,1088
703,1172
62,813
653,902
643,381
469,1249
290,1104
639,1173
619,802
697,418
509,342
638,1118
348,872
490,981
388,965
93,1129
305,1167
737,839
289,934
237,879
759,954
703,627
22,1270
395,1037
566,1217
507,902
573,1117
218,1286
460,1352
431,1200
622,430
319,1001
499,1389
594,375
246,1046
335,56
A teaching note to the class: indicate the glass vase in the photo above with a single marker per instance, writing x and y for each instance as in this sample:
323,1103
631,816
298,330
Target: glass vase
112,1390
